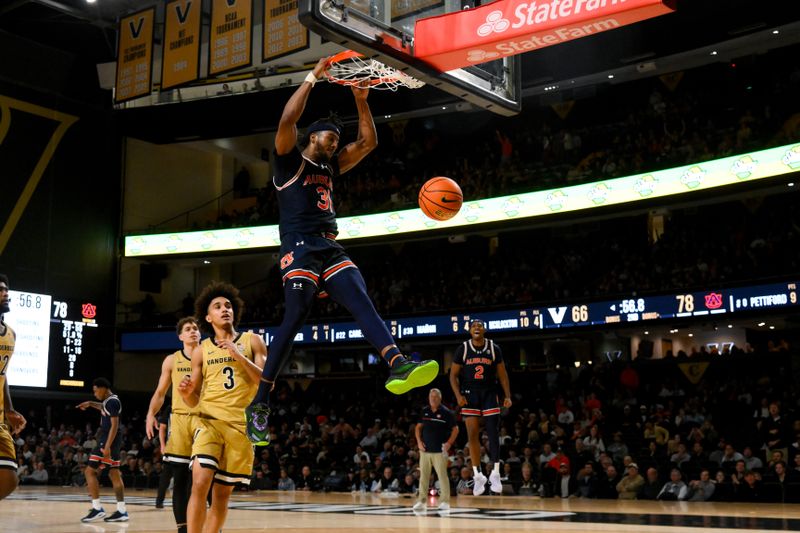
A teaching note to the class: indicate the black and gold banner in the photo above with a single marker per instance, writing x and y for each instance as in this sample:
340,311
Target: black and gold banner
135,55
283,33
231,40
180,59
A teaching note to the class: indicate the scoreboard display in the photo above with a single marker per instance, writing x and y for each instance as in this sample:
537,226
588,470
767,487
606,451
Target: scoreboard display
56,341
709,303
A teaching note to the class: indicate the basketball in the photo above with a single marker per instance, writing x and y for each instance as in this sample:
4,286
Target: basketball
440,198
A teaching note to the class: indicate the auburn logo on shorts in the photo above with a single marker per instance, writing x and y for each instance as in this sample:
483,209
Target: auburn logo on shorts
287,260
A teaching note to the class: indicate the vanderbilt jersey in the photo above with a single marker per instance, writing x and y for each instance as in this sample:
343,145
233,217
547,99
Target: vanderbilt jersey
479,365
7,341
181,367
227,389
305,194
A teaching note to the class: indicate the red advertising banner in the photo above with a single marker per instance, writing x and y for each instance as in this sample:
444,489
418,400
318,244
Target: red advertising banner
510,27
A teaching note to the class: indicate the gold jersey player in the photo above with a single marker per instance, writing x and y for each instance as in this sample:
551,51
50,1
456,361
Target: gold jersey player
16,422
178,451
226,369
477,366
312,262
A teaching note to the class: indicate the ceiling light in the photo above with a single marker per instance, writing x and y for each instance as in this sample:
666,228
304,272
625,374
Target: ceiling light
761,324
577,364
730,326
775,32
206,262
691,334
772,327
713,52
91,1
791,184
611,76
647,333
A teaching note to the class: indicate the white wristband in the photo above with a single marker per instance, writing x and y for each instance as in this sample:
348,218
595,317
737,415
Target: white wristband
310,78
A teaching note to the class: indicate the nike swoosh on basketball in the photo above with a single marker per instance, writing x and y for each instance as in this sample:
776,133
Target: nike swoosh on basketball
445,200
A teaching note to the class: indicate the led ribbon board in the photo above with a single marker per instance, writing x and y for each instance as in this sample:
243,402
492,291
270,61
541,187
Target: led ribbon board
749,167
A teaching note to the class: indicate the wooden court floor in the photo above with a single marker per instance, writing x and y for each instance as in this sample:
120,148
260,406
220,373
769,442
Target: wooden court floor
55,510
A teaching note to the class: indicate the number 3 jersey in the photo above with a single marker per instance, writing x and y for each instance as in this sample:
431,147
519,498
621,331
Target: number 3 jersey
305,193
227,389
479,365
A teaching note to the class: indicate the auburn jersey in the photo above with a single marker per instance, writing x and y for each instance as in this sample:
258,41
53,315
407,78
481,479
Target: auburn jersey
305,194
112,407
181,367
7,341
479,365
227,389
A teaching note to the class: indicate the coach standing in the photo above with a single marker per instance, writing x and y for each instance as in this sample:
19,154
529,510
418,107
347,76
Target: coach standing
436,432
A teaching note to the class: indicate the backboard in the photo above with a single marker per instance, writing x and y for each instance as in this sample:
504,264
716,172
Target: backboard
384,30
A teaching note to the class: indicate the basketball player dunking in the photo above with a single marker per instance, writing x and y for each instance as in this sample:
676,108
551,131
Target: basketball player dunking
178,450
311,259
477,365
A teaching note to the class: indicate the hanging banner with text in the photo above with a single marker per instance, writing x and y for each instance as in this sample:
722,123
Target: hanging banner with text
135,55
180,59
231,39
284,34
509,27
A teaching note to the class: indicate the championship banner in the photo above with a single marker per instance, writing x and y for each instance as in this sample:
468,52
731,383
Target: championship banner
180,59
135,55
231,39
284,34
509,27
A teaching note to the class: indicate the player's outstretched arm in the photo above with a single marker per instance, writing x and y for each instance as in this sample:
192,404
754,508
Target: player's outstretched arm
367,136
286,137
157,400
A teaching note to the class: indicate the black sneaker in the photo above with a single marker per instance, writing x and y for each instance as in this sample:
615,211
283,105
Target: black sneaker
94,514
117,517
409,375
256,417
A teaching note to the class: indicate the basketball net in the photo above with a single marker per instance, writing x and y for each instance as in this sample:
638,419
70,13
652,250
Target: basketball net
352,68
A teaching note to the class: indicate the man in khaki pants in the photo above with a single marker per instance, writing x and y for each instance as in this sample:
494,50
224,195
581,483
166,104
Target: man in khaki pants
436,432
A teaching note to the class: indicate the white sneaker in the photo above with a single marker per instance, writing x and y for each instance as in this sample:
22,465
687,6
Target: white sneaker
496,484
444,506
419,507
479,481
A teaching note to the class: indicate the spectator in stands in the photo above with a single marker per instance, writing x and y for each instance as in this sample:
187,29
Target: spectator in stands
675,488
681,456
607,483
618,449
527,484
751,461
386,483
629,486
307,481
587,481
730,457
702,490
409,485
464,485
38,477
750,489
774,431
565,484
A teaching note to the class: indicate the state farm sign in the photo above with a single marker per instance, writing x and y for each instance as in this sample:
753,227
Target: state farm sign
509,27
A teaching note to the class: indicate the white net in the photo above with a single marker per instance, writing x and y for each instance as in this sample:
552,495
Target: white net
357,69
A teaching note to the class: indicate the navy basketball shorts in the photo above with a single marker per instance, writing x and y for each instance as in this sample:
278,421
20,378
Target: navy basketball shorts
96,458
480,402
312,258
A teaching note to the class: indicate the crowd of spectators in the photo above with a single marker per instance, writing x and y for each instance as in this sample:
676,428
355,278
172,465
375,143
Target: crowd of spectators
608,430
696,115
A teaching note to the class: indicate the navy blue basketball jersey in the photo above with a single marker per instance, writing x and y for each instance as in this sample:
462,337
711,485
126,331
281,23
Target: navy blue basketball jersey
305,194
479,364
111,407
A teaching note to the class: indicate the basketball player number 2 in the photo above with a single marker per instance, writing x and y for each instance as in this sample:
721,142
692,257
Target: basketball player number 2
479,372
228,371
3,365
324,199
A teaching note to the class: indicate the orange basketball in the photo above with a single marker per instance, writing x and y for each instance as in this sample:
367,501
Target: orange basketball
440,198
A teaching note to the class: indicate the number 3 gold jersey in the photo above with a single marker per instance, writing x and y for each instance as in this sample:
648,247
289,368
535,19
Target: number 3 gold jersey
227,389
7,341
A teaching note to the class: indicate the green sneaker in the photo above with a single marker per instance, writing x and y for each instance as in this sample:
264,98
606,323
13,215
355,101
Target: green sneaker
255,415
411,375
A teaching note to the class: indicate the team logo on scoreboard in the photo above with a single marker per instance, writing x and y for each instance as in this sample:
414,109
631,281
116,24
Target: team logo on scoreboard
207,240
713,300
792,157
88,311
392,222
645,185
555,200
354,226
744,167
244,236
473,211
512,206
693,177
174,242
599,193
